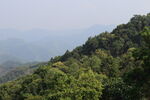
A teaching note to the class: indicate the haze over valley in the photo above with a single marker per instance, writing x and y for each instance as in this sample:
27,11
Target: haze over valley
40,44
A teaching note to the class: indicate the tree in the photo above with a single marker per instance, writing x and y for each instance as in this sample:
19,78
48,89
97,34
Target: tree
141,76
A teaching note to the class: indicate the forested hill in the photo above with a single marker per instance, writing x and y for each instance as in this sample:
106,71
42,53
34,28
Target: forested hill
117,42
109,66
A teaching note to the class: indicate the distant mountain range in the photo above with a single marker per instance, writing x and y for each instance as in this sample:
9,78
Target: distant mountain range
40,45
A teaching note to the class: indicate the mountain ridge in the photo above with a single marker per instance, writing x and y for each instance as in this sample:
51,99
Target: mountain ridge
109,66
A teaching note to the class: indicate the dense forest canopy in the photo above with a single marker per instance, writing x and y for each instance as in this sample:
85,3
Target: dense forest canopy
109,66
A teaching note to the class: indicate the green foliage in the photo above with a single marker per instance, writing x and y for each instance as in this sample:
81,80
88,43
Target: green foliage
116,89
109,66
140,77
52,83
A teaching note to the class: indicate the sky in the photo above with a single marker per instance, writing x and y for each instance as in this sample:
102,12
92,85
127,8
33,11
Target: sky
68,14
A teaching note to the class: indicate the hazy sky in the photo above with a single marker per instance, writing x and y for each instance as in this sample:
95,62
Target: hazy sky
68,14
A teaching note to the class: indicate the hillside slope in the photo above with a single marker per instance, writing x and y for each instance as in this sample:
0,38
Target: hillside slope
109,66
18,70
